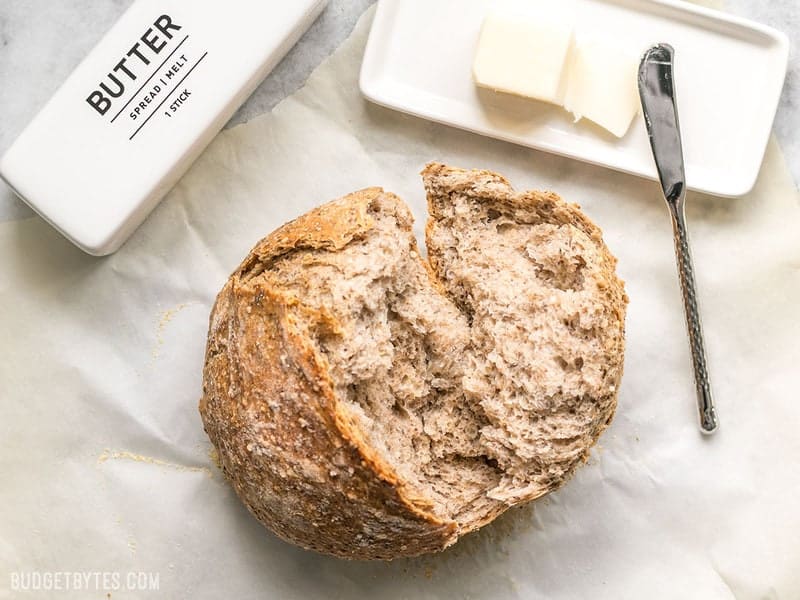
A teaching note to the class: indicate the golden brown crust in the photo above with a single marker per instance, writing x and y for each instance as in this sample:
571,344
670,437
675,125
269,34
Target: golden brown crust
550,207
330,226
297,460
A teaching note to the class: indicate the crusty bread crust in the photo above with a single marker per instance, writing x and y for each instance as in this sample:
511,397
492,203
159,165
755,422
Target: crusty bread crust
299,461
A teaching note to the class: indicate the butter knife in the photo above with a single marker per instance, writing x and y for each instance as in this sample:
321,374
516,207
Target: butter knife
657,92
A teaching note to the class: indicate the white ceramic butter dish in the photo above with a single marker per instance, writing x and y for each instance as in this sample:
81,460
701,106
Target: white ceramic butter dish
135,114
419,60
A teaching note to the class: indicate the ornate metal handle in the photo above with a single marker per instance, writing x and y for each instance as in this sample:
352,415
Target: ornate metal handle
705,401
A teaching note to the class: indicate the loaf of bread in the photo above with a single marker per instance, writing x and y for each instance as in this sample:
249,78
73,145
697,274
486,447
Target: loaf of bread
368,403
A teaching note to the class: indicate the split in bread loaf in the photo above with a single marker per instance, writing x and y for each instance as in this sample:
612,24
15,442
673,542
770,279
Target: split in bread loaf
368,403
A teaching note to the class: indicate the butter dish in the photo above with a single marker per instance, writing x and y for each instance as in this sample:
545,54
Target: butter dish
141,107
732,71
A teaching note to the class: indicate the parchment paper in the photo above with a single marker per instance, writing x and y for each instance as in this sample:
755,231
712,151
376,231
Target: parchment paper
104,465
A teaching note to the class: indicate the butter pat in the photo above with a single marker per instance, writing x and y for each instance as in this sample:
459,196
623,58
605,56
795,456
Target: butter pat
524,54
530,50
601,85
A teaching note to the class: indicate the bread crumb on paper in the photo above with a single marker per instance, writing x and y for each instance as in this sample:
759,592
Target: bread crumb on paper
107,455
213,455
164,319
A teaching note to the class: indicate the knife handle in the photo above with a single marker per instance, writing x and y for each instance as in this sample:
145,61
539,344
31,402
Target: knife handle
705,401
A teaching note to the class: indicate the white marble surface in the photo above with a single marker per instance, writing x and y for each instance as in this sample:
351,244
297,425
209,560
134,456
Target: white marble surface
41,41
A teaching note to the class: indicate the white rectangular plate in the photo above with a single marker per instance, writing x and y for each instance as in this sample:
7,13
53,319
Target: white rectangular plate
729,74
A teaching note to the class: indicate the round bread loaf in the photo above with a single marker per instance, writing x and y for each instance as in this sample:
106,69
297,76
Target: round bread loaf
371,404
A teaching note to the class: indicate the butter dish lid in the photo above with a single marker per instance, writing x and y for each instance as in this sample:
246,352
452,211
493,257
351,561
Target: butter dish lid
135,114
